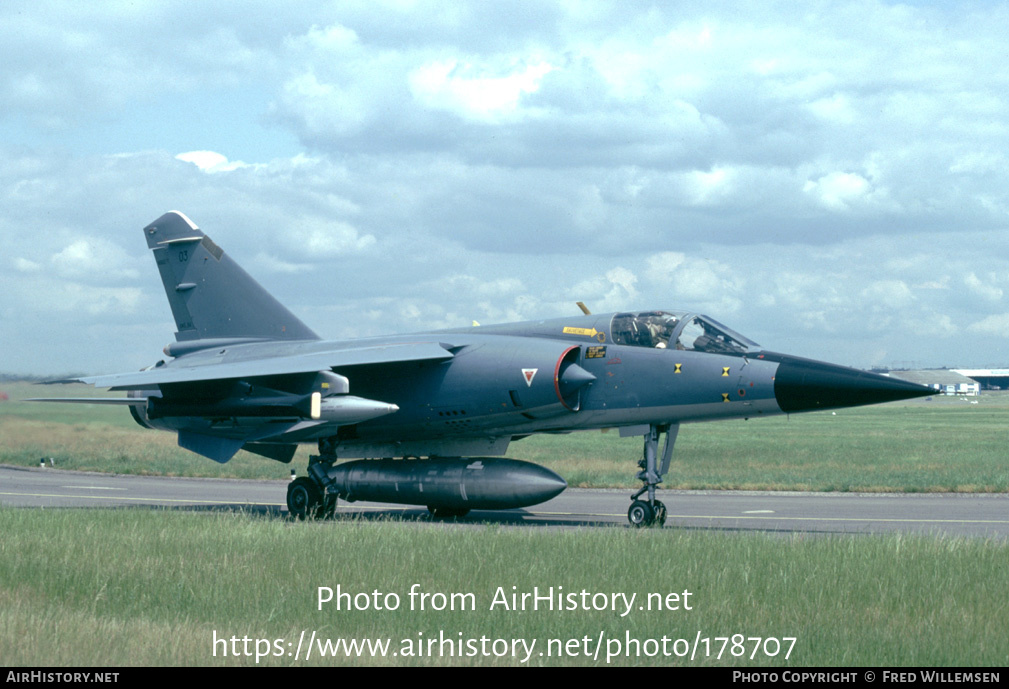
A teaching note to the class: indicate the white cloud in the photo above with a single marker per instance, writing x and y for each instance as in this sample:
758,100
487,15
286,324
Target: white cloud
476,92
996,324
693,283
889,295
615,290
333,39
23,265
709,187
325,109
481,287
93,259
933,325
839,190
314,239
78,300
836,108
985,291
211,162
979,163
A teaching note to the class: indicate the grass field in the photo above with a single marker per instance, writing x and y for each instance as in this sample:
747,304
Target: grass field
143,587
943,445
116,587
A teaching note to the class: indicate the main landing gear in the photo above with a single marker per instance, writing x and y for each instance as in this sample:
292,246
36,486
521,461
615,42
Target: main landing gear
307,497
651,511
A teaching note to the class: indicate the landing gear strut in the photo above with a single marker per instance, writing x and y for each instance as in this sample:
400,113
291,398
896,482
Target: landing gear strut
307,497
651,511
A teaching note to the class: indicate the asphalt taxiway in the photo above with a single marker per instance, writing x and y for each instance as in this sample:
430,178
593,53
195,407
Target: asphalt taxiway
965,515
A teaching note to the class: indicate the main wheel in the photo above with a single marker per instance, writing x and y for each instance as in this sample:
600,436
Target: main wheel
640,514
304,498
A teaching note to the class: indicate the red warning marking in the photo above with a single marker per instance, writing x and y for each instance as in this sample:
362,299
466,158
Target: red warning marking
529,374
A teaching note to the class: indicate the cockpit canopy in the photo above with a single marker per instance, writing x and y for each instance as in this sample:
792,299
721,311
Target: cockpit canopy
677,330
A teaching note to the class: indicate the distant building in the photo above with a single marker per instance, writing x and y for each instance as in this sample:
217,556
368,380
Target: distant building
944,381
989,378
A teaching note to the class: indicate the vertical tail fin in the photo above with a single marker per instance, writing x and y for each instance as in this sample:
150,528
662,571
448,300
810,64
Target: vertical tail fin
210,295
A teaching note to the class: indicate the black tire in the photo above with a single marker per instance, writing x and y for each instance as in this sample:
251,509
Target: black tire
304,498
640,514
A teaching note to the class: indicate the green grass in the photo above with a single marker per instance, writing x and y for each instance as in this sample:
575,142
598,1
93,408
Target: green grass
142,587
946,445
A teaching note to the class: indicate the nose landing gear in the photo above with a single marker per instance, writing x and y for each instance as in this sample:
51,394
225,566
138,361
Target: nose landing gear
652,512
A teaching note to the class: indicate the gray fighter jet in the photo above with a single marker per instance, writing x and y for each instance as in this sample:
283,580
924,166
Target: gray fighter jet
429,416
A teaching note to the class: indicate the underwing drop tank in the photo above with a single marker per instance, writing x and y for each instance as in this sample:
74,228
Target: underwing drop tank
447,486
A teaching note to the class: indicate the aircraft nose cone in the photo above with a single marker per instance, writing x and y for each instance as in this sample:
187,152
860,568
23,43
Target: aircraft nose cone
806,385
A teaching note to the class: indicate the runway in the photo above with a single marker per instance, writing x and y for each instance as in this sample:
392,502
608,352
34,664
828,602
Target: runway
964,515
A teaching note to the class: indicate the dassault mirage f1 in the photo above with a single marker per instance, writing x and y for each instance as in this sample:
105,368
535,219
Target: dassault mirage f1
427,417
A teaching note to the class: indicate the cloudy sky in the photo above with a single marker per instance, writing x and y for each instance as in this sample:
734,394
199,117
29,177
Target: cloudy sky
830,179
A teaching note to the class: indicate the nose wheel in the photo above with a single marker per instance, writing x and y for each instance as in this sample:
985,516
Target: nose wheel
652,512
641,513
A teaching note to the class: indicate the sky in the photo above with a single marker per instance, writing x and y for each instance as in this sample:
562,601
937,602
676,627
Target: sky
829,179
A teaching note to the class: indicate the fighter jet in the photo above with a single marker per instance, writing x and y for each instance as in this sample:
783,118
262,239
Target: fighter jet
427,417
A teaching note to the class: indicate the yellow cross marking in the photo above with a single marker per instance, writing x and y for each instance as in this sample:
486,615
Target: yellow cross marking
725,371
725,397
677,368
